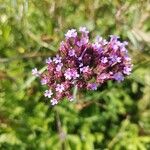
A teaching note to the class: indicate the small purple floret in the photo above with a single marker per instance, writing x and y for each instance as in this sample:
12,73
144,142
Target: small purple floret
54,101
48,93
71,34
60,88
35,72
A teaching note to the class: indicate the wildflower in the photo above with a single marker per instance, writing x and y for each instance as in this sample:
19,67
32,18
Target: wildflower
118,76
71,33
35,72
83,30
48,93
100,40
68,74
48,60
72,53
75,74
54,101
115,59
60,88
104,60
85,69
59,66
57,59
44,81
84,64
127,70
83,41
92,86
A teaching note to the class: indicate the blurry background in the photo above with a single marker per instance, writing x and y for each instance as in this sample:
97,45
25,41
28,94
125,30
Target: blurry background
117,116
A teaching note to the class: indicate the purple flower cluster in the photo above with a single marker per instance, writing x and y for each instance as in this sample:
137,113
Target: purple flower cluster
84,64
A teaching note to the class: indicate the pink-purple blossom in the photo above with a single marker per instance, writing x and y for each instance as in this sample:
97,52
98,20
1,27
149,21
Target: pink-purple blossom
71,53
54,101
35,72
127,70
68,74
92,86
84,64
71,34
104,60
83,30
118,76
59,66
60,88
44,81
48,60
57,59
48,93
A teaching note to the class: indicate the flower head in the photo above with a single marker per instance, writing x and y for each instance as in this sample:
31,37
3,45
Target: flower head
84,64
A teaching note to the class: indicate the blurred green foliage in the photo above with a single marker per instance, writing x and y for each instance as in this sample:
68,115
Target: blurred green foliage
116,117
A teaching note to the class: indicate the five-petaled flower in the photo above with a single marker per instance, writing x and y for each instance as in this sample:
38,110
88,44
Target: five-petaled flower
35,72
48,93
60,88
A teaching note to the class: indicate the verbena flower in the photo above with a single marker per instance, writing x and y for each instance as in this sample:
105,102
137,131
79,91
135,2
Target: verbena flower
35,72
84,64
48,93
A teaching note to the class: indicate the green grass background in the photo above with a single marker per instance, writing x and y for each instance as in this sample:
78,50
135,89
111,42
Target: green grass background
115,117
